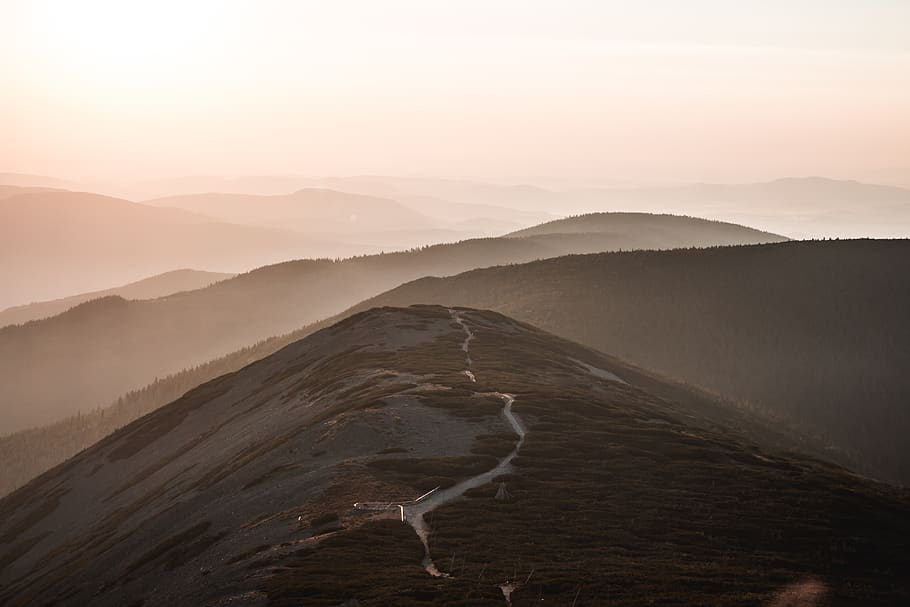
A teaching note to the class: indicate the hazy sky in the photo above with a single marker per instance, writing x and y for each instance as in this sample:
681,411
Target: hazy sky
664,90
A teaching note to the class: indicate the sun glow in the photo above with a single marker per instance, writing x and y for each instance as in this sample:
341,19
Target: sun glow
704,90
125,41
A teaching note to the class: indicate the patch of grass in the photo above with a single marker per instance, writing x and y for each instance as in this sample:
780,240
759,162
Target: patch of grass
436,471
248,554
177,549
328,518
143,433
391,450
39,511
376,564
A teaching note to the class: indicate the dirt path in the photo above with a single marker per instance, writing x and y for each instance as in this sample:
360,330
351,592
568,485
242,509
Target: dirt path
414,513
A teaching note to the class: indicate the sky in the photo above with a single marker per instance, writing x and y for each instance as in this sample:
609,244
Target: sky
524,90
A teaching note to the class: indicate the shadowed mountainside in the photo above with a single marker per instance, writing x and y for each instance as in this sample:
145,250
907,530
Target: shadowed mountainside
57,243
103,348
242,490
814,334
147,288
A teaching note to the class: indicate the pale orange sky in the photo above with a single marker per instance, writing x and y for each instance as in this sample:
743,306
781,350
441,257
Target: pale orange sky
631,91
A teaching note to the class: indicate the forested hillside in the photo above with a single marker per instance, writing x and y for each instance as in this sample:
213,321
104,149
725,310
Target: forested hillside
28,453
815,334
148,288
789,330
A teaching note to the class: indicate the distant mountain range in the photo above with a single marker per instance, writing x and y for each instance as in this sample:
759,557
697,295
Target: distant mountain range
323,214
359,218
806,207
56,243
101,349
563,475
801,207
159,285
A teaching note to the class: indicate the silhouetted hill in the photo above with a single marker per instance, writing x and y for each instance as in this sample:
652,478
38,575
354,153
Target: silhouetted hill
58,243
104,348
810,207
147,288
815,334
652,231
564,472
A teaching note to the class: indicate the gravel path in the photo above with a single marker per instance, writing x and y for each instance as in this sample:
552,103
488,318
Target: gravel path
414,513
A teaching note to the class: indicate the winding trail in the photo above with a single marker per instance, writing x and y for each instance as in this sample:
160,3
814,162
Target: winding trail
413,513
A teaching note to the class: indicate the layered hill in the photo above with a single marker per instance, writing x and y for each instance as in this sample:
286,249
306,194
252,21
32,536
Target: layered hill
813,334
564,475
806,207
101,349
802,207
147,288
56,243
647,231
323,213
7,191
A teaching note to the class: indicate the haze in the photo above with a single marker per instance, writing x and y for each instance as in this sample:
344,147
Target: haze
570,93
425,302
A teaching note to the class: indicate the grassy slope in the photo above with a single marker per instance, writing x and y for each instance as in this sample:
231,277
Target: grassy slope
617,495
619,499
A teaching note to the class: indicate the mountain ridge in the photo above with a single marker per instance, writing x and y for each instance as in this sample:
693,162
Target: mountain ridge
245,488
